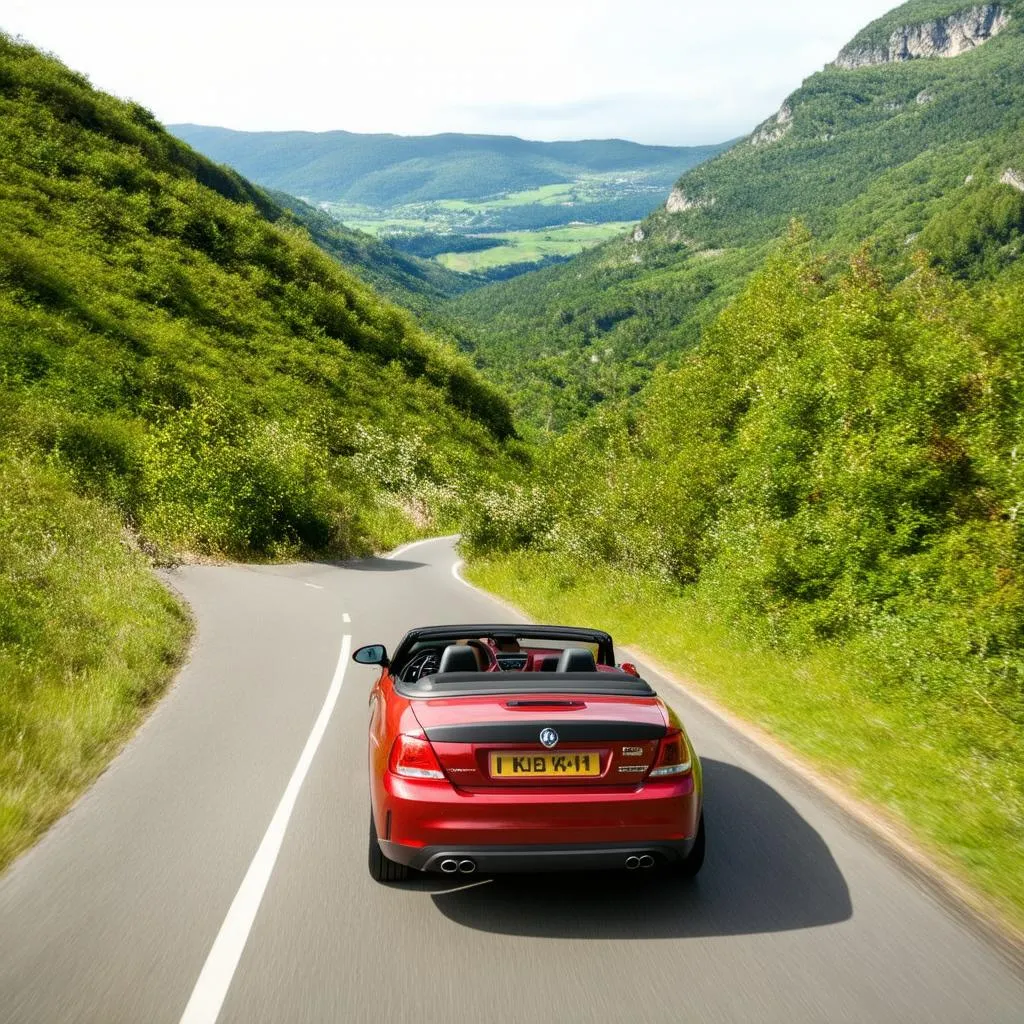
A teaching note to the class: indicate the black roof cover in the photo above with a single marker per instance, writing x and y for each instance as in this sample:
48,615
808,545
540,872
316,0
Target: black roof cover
458,632
481,684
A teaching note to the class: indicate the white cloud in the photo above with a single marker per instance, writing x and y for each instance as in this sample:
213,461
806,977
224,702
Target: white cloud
651,70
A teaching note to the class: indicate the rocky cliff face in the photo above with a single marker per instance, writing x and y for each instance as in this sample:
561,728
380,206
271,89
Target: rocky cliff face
943,37
680,202
774,128
1015,179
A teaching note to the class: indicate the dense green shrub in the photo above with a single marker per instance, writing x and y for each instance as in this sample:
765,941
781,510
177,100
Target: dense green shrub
981,235
837,463
239,485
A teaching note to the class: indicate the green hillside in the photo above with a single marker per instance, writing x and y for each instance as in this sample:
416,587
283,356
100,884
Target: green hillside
182,371
881,152
383,170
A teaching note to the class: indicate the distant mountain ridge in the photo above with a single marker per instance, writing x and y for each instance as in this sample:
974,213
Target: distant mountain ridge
380,170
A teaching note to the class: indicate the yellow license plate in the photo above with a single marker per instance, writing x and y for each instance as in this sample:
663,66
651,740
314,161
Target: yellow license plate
513,764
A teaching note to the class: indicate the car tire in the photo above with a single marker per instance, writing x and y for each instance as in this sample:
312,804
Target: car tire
381,868
694,860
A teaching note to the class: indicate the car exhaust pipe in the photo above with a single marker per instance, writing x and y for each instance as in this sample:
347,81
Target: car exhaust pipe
467,867
647,861
449,865
632,863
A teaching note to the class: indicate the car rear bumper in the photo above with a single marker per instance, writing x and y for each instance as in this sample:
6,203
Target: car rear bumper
508,859
433,817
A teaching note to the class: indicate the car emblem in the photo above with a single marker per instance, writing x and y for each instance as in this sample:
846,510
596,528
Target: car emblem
549,738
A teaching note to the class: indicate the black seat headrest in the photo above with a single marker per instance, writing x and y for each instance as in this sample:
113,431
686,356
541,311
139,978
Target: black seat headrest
576,659
458,658
548,664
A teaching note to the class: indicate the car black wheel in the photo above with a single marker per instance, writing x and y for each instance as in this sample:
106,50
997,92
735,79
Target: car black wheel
382,869
694,860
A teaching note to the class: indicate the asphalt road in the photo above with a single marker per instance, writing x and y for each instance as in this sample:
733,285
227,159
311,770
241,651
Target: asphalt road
220,864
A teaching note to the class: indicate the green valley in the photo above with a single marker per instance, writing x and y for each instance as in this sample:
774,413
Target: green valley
385,170
460,192
532,246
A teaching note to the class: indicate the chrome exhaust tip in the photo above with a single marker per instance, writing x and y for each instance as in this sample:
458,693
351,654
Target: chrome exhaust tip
467,867
449,865
647,861
632,863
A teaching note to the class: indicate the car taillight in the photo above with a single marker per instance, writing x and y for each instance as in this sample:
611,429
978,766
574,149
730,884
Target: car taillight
414,758
673,757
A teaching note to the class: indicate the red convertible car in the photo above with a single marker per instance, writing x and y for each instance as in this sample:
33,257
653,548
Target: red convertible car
524,748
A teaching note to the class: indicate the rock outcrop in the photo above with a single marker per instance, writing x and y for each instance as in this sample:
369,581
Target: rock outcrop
943,37
1015,179
774,128
680,202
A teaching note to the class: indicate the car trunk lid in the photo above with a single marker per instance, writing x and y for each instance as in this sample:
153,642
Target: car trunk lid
543,740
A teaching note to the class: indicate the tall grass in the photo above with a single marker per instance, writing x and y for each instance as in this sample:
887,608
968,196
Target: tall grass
88,639
953,771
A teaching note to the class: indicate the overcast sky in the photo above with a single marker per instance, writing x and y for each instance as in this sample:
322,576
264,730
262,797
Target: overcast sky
664,71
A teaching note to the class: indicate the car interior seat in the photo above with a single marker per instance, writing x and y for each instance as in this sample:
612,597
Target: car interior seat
459,658
576,659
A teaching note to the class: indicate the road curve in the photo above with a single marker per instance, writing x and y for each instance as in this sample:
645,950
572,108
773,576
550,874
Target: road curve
112,917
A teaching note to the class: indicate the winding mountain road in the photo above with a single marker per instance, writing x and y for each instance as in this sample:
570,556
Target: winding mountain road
217,871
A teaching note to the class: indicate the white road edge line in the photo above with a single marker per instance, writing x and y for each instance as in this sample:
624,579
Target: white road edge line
415,544
510,608
314,586
211,988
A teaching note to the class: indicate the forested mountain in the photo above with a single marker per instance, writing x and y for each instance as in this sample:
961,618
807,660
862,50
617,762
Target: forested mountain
907,145
384,170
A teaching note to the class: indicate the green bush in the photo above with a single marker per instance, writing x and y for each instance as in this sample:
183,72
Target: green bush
838,463
220,483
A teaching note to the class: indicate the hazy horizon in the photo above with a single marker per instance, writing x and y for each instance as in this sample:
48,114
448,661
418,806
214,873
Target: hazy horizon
564,71
434,135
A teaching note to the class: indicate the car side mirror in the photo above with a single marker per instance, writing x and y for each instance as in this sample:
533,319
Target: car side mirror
373,654
630,668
